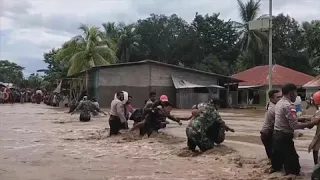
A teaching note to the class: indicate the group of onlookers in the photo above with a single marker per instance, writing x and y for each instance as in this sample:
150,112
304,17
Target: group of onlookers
56,99
15,95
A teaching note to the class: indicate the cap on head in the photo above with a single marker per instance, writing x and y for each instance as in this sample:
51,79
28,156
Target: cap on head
85,98
164,98
316,98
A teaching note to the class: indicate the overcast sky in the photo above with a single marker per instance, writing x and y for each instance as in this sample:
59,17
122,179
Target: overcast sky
28,28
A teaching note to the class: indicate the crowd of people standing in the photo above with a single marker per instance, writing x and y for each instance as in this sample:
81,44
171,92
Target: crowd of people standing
15,95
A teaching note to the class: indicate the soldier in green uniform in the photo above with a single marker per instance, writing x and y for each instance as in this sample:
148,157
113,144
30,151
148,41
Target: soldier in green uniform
206,129
87,107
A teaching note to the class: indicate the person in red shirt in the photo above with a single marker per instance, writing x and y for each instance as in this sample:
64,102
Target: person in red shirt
128,110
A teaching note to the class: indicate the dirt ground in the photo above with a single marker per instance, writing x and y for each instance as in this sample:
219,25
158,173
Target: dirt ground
38,142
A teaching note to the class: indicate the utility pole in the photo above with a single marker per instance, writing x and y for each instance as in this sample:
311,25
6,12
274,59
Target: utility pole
270,45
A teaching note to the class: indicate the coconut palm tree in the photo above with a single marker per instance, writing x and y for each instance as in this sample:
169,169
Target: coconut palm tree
127,43
88,50
251,41
111,31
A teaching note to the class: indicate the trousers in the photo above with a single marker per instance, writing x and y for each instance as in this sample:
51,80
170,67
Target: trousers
195,139
266,139
115,125
284,153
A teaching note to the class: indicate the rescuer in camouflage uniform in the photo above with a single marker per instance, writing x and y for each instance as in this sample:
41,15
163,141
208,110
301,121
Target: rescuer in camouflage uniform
206,129
87,107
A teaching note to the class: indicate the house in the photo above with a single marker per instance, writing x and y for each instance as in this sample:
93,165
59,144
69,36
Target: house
256,82
312,86
183,86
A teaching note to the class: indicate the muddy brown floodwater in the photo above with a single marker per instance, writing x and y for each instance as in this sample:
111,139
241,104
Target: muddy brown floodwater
38,142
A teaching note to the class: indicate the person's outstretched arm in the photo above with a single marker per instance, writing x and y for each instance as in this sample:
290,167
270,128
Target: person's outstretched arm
78,107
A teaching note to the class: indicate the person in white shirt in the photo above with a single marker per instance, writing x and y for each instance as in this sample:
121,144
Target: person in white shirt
94,101
117,118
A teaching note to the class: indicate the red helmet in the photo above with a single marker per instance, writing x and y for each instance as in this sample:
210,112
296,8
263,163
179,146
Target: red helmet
316,98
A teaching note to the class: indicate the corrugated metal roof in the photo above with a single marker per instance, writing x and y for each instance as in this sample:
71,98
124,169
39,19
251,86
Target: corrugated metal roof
259,75
313,83
184,84
158,63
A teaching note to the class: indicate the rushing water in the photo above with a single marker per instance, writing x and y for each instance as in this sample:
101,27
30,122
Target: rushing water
38,142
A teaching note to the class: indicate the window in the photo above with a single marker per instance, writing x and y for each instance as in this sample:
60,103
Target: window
200,90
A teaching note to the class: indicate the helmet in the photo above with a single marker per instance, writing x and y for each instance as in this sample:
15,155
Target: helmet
316,98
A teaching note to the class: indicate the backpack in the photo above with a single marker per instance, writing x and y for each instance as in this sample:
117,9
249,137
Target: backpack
136,116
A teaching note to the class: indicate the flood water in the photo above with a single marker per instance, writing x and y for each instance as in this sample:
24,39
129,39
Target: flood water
38,142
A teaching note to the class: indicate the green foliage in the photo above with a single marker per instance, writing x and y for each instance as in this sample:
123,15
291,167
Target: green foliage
208,43
252,42
57,68
288,44
10,72
90,49
212,64
34,81
159,35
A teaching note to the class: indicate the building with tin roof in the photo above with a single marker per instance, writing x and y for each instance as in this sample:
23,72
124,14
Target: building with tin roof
183,86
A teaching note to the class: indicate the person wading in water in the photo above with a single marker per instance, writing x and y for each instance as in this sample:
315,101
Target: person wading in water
286,121
206,128
155,117
38,96
86,107
149,107
117,115
267,128
128,110
151,100
94,101
137,115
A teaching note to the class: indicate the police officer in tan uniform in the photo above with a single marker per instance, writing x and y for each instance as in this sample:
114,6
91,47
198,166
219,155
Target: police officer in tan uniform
286,121
268,125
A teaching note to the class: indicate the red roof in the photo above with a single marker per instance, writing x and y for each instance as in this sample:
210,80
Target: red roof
313,83
259,76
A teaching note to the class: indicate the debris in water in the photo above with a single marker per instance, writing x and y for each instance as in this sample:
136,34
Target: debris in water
220,150
188,153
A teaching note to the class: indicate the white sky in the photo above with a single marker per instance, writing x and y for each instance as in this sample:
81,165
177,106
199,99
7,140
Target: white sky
28,28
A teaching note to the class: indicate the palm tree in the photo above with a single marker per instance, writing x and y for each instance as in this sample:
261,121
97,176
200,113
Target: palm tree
251,41
111,31
88,50
127,43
